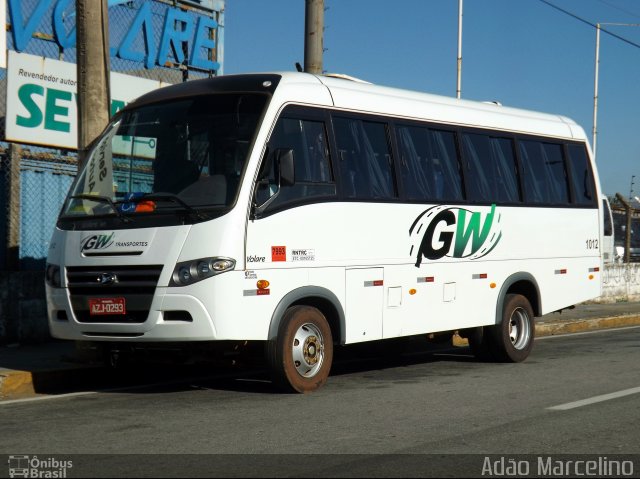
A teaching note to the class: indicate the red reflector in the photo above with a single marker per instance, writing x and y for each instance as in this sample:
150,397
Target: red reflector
378,282
563,271
596,270
483,275
430,279
262,292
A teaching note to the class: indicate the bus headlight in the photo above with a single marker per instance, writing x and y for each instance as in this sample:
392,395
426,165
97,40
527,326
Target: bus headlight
52,276
189,272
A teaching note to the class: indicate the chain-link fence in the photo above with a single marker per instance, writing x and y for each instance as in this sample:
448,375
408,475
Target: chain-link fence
33,179
626,220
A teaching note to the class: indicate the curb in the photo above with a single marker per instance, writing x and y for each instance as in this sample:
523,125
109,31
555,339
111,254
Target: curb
581,325
553,328
16,384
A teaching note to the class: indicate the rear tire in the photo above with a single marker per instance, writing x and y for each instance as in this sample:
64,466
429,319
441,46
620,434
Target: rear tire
514,336
512,339
300,357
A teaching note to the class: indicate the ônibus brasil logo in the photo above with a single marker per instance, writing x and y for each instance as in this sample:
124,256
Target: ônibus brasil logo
454,232
96,242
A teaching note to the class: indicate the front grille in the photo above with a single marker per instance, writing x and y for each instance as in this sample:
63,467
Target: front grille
136,284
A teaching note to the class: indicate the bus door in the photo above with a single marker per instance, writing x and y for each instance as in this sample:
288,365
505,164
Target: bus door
608,253
364,304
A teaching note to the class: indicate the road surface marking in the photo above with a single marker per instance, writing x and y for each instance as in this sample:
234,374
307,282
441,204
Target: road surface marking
45,398
595,399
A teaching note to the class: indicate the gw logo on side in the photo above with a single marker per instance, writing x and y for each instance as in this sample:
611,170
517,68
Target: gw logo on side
441,231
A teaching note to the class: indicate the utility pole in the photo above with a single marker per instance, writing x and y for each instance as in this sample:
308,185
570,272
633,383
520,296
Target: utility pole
459,69
594,145
93,69
595,91
313,36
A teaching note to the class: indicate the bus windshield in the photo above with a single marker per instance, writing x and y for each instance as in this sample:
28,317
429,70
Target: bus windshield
186,156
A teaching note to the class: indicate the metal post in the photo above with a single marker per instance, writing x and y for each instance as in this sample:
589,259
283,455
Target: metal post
595,91
313,36
93,68
13,208
627,240
13,240
459,75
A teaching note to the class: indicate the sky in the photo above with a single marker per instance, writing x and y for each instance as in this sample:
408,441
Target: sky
522,53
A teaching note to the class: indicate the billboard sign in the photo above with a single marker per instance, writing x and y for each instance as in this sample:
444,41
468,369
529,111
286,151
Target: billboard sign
42,99
153,33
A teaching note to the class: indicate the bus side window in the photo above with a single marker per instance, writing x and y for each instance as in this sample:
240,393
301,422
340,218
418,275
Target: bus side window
608,221
544,175
313,174
366,168
429,164
442,158
491,168
418,180
581,175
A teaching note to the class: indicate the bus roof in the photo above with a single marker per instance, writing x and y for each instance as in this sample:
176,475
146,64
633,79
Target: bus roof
347,94
406,103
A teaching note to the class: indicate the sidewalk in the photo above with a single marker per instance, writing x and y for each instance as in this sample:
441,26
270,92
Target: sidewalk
54,367
587,317
29,370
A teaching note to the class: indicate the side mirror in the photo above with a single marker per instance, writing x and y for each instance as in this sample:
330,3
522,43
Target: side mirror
284,161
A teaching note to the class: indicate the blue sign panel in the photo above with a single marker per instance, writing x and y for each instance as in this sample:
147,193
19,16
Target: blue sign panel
156,34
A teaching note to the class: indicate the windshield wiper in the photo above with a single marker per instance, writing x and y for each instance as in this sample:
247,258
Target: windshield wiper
161,196
104,199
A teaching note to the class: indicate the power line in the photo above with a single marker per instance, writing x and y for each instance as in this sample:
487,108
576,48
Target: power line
628,12
573,15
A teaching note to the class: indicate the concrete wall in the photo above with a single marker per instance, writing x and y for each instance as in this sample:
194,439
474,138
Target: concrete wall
620,282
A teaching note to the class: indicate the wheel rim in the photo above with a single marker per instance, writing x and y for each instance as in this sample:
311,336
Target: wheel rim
308,350
519,328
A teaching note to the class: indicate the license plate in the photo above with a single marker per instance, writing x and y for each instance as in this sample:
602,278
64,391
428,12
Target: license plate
101,306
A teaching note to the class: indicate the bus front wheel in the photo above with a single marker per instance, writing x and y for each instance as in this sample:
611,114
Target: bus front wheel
300,357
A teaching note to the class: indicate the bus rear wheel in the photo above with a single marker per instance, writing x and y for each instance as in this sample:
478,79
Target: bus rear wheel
512,339
300,357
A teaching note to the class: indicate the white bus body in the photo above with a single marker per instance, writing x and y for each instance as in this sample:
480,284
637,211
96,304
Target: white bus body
324,211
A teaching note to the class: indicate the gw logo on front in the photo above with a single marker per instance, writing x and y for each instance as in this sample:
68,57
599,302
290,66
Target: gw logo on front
441,231
96,242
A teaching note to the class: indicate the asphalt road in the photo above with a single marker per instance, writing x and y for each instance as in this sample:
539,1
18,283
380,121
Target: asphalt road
400,417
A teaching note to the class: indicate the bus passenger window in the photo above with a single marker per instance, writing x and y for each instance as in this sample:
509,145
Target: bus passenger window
581,175
366,169
429,164
491,169
419,181
544,175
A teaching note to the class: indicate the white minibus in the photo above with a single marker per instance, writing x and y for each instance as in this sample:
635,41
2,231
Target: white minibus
308,212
